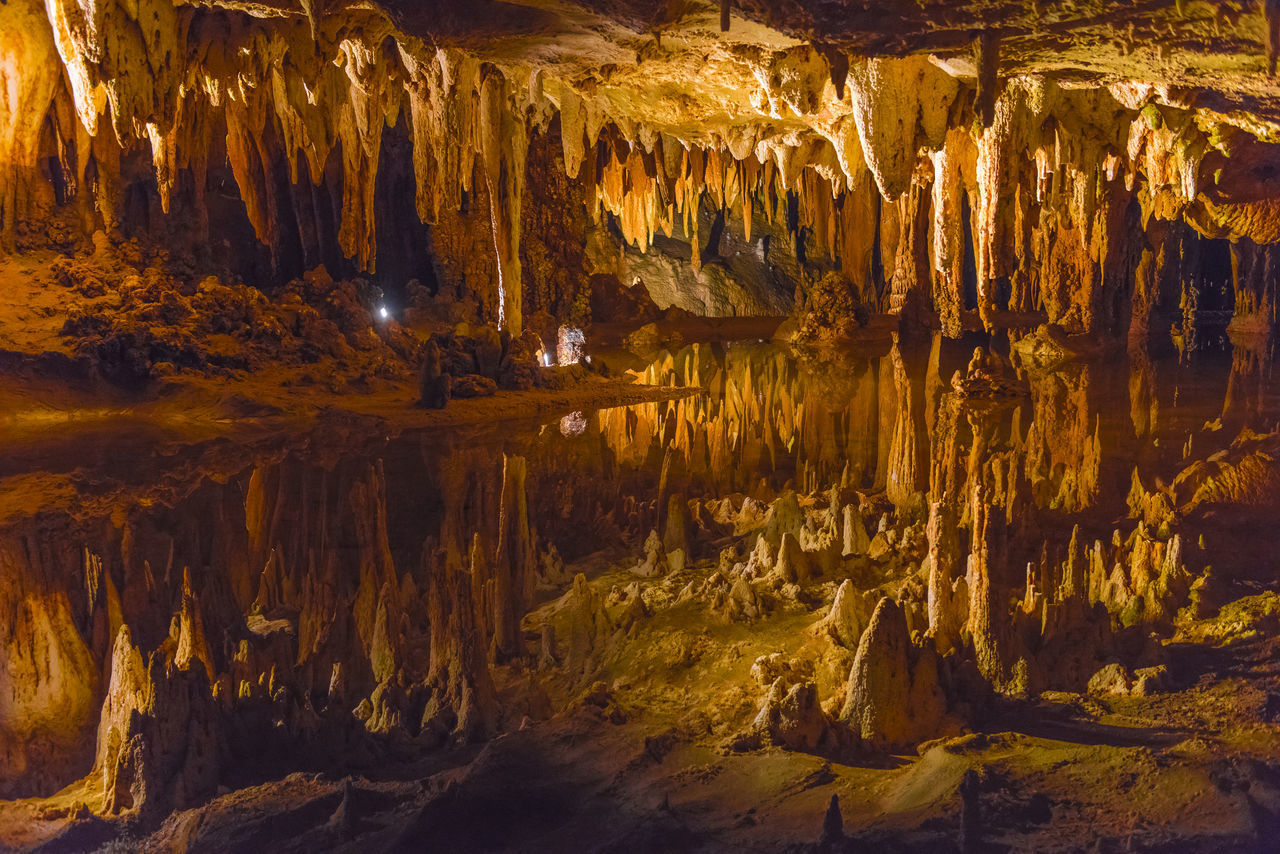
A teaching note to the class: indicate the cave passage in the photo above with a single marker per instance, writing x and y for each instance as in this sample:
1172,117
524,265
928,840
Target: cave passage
643,425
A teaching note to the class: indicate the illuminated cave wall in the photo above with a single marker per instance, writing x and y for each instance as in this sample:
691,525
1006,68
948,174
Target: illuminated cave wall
305,130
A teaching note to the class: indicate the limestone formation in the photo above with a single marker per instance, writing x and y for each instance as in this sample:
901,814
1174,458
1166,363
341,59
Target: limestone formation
656,558
893,697
948,603
832,311
792,565
589,626
848,617
434,386
790,716
160,741
689,476
856,541
675,539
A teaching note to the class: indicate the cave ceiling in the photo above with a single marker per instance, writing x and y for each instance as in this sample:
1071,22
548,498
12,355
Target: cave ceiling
1077,107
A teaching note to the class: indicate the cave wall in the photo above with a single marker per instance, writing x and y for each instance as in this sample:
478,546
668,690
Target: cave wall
873,164
462,250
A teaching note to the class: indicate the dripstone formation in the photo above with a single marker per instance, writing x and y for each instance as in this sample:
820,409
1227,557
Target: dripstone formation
648,425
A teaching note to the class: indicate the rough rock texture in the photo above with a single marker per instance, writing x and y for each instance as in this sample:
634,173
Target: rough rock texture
48,679
893,697
1070,175
832,311
160,738
333,125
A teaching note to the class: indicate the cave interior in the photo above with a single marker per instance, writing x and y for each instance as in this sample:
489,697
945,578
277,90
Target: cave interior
639,425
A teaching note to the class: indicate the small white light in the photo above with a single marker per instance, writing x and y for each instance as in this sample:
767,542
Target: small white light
382,310
546,358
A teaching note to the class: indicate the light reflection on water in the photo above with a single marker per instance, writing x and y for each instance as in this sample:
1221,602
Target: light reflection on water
314,532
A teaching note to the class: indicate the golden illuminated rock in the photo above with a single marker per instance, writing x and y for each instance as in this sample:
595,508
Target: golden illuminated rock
299,506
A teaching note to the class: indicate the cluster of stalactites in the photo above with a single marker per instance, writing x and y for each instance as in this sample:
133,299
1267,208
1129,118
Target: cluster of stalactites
1045,173
296,88
1031,158
159,72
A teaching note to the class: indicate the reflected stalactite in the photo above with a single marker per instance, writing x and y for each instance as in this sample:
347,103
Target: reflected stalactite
906,476
987,583
391,596
1144,407
1063,450
948,595
513,577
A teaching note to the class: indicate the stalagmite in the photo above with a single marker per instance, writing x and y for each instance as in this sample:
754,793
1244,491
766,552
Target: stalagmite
159,741
893,696
846,621
856,541
675,539
192,647
589,625
790,716
793,564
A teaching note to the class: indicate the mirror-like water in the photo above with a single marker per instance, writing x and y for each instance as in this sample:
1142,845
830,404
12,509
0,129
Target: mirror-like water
354,600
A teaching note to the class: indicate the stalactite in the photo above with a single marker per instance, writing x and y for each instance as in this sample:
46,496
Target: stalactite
950,165
900,105
993,175
987,55
29,76
910,286
1043,170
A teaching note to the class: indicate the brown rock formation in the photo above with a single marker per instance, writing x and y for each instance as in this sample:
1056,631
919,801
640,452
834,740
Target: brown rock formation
160,740
893,697
48,678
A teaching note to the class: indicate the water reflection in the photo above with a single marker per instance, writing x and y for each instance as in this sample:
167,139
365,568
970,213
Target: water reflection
876,421
348,598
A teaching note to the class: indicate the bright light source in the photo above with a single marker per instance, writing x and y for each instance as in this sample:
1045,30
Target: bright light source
569,345
382,311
